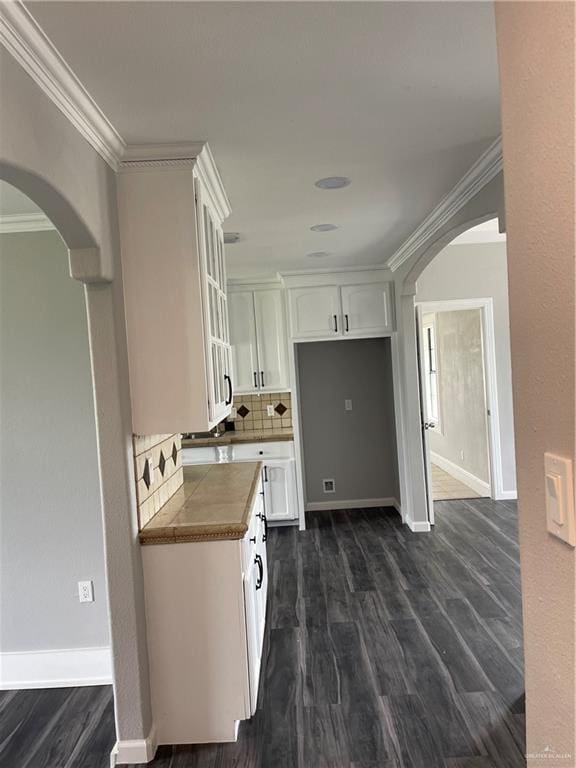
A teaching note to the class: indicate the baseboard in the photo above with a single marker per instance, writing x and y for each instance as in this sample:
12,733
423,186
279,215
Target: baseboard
507,495
133,751
463,475
63,668
419,527
320,506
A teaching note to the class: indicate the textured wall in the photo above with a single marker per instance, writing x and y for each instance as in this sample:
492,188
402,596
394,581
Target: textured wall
50,510
356,448
536,49
479,271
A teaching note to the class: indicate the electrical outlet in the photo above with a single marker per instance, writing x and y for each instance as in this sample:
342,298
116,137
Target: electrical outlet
85,592
347,405
461,455
270,410
329,486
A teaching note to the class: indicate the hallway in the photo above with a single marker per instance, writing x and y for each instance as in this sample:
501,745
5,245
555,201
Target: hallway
385,649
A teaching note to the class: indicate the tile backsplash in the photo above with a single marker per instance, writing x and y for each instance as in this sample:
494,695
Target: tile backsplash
252,411
158,468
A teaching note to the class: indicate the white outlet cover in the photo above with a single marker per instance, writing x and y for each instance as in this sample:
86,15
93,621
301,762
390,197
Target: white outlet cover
347,405
270,410
85,592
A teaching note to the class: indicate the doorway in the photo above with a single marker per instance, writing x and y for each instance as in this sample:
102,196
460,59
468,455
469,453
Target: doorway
55,633
459,398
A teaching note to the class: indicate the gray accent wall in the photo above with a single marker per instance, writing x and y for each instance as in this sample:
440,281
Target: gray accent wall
50,509
356,448
480,271
462,438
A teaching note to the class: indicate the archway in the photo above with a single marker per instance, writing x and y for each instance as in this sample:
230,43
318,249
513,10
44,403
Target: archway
93,267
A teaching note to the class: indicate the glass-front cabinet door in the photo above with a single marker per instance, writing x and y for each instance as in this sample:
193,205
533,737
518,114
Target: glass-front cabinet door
211,242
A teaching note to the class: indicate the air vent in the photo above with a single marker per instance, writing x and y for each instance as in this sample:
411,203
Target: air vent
329,486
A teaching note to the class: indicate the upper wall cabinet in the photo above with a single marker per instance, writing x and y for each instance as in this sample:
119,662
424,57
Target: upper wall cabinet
172,205
340,305
258,338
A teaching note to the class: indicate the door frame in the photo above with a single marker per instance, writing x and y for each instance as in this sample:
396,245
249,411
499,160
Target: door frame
486,306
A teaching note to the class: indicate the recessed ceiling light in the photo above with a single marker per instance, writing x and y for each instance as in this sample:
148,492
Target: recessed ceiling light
317,255
231,237
333,182
323,227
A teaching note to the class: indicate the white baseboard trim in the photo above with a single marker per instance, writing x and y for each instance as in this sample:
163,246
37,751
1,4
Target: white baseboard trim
463,475
320,506
419,527
63,668
133,751
507,495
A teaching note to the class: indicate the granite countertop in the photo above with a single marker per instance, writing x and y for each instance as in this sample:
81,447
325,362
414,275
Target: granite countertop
248,436
213,503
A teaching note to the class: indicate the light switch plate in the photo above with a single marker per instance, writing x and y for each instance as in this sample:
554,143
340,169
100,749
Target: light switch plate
347,405
559,489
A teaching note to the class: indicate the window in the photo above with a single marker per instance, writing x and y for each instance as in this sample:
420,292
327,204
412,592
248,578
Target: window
431,383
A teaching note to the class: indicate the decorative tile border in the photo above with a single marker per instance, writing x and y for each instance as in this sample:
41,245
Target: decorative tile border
158,468
252,411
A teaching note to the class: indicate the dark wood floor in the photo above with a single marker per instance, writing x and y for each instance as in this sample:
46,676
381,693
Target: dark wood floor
384,649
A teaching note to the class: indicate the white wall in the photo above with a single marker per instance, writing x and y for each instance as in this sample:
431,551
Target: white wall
50,511
356,448
480,271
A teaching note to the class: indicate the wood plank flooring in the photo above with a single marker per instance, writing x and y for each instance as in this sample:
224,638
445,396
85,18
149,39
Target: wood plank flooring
384,649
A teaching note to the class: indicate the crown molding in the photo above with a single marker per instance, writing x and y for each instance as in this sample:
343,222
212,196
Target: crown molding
22,36
197,155
24,222
483,171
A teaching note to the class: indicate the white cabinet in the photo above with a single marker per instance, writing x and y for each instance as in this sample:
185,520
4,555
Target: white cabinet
258,339
366,309
243,338
280,490
205,620
314,311
171,206
344,306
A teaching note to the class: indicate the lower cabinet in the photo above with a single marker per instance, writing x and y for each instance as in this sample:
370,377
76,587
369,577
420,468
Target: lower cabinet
205,617
279,471
280,489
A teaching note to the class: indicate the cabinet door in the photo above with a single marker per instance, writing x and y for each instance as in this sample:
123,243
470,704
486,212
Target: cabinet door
243,340
271,337
253,634
279,490
221,392
366,309
315,312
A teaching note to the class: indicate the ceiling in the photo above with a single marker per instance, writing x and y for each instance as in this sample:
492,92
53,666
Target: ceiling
401,97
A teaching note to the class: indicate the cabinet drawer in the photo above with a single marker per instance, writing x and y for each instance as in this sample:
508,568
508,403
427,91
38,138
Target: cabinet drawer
262,451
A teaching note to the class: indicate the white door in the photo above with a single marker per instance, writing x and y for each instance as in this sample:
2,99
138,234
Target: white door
280,490
243,340
271,335
366,309
315,312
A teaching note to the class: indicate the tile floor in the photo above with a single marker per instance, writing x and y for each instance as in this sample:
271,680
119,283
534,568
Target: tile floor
384,649
446,487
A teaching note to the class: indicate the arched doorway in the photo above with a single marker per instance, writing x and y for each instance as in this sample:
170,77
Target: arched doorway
54,628
97,269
